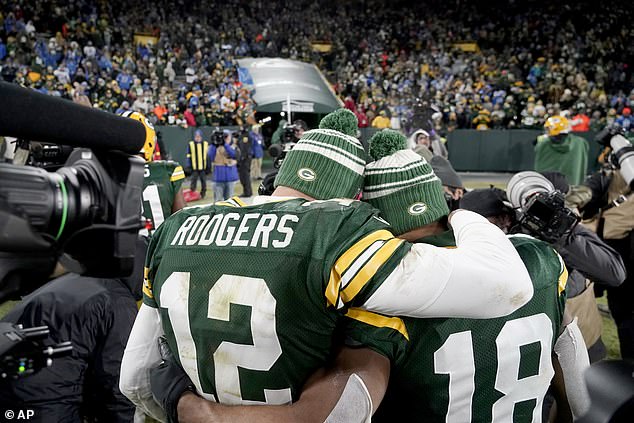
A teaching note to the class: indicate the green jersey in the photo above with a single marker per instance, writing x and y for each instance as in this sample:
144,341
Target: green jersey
250,296
490,370
161,181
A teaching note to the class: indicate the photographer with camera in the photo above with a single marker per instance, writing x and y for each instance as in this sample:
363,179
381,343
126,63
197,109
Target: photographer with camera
223,154
612,207
197,161
288,138
538,209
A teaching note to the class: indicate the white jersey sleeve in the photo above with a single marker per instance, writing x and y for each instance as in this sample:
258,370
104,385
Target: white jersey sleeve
140,356
483,277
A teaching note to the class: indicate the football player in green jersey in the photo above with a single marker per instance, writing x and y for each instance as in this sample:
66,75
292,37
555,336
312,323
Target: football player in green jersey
465,370
162,180
249,297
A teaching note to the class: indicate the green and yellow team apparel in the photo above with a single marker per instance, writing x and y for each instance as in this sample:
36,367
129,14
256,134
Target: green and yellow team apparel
161,181
466,370
250,296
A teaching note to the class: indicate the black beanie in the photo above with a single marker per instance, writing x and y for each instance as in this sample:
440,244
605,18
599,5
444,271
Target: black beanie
486,202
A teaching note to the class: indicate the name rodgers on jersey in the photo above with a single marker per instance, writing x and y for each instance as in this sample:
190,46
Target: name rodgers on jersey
257,230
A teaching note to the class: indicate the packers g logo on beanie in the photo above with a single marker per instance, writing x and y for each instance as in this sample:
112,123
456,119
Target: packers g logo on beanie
417,208
306,174
401,184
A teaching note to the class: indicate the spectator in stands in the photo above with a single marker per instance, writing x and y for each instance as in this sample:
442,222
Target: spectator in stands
625,120
189,117
581,121
482,121
381,121
384,71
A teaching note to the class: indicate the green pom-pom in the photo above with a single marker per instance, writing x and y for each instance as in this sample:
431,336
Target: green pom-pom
386,142
342,120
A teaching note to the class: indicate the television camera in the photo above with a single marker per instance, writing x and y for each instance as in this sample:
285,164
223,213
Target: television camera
621,154
86,215
541,209
218,137
288,140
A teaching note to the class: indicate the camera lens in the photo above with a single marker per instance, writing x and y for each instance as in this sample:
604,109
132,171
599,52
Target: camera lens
54,203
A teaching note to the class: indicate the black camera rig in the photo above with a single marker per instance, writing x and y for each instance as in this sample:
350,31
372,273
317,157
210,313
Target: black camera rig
86,215
546,216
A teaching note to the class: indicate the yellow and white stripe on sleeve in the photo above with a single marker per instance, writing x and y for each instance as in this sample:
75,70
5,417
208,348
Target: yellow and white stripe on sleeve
357,265
178,174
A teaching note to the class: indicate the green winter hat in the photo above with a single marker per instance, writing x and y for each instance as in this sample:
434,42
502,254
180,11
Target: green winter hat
326,162
342,120
401,184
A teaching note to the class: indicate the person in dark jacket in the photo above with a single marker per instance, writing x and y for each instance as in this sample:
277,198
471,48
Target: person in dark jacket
245,148
96,315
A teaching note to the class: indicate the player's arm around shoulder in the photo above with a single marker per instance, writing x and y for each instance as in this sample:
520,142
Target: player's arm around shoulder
483,277
348,392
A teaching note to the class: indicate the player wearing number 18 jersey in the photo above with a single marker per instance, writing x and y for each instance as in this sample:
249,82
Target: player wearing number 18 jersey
491,370
464,370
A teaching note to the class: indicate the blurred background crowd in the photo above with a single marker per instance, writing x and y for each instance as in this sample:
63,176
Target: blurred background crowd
495,65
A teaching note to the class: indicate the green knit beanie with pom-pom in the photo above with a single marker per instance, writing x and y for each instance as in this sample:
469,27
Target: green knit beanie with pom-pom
342,120
401,184
386,142
327,162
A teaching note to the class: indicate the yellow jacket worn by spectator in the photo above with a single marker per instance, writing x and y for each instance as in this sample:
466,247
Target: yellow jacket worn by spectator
381,121
483,120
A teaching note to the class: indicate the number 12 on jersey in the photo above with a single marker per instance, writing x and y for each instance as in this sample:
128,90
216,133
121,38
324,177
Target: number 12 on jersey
456,358
262,355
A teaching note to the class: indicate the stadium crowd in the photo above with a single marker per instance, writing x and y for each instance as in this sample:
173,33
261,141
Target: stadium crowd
528,61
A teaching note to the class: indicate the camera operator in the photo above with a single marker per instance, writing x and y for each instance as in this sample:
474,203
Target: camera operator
197,161
223,154
585,255
245,149
612,206
93,314
289,133
96,315
299,127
